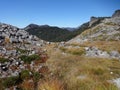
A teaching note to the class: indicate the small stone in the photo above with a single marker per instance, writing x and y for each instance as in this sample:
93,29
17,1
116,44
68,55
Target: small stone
111,72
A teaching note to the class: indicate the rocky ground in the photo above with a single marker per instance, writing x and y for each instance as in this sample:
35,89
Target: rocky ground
20,53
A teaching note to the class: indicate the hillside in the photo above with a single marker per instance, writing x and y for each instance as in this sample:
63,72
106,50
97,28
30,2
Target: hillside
91,60
88,61
56,34
107,30
21,58
48,33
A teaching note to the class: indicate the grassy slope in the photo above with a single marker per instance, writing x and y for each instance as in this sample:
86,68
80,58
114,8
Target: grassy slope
84,73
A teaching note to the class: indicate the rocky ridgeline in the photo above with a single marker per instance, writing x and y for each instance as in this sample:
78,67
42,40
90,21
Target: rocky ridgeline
93,20
20,51
105,29
96,20
116,14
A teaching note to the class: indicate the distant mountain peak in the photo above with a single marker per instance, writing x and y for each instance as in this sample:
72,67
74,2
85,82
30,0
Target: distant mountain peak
32,25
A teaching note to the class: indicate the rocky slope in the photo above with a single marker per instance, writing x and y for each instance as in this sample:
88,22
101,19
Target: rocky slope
116,14
21,56
107,29
15,35
101,40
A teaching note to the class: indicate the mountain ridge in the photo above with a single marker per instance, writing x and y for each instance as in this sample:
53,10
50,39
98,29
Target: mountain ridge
57,34
107,29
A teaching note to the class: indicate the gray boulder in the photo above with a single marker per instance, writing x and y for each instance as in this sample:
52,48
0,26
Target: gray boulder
115,54
95,52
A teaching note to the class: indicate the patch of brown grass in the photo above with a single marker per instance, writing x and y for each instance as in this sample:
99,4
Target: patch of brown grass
27,85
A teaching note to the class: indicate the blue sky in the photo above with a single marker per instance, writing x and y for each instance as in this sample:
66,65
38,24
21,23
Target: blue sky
62,13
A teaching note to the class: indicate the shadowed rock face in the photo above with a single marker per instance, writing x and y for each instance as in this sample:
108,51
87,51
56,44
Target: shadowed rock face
116,14
93,20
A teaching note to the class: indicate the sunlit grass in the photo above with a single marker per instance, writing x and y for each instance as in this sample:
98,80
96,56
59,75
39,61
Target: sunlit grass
74,51
50,85
84,73
103,45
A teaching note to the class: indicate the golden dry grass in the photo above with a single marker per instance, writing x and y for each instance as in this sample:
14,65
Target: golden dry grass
50,85
84,73
72,50
103,45
106,45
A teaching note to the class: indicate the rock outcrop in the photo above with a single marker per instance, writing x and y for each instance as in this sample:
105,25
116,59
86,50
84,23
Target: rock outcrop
93,20
95,52
16,43
116,14
13,34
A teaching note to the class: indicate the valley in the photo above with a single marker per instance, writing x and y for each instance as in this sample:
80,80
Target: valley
42,58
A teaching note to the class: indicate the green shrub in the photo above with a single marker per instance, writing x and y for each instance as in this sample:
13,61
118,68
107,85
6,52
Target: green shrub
98,71
1,85
11,81
25,74
2,60
110,23
63,49
37,76
22,50
28,59
78,52
74,51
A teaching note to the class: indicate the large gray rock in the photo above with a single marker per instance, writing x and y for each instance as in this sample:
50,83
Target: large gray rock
115,54
95,52
117,82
